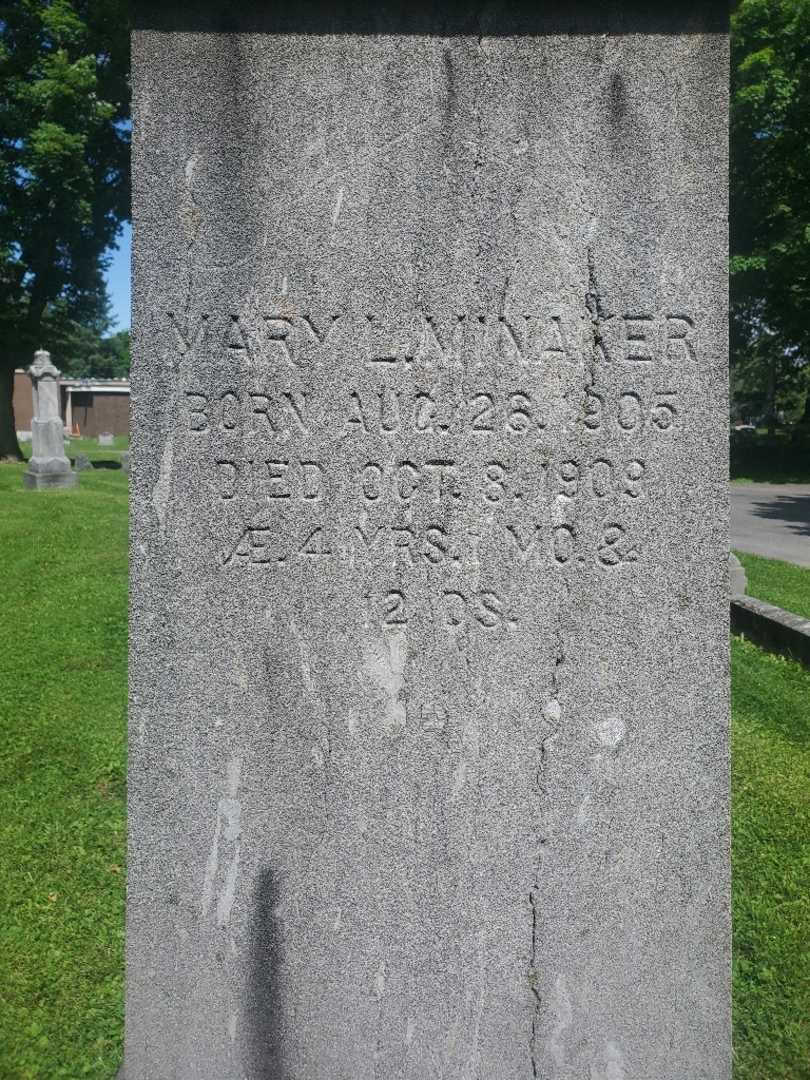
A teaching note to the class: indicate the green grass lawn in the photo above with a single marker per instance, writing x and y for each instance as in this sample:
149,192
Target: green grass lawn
62,761
771,858
90,448
779,583
62,775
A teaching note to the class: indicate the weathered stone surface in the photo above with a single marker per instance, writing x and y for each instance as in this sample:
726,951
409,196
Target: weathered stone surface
82,463
48,480
737,577
771,627
428,746
48,466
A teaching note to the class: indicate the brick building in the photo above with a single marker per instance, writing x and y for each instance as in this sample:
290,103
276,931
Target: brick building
89,406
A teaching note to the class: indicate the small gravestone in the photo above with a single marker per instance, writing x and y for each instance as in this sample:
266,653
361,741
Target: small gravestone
48,466
106,439
82,463
429,704
125,461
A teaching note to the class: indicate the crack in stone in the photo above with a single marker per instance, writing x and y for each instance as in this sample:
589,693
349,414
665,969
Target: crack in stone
594,302
538,1003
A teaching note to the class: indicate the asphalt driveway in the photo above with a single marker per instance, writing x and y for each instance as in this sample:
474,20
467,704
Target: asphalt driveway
772,520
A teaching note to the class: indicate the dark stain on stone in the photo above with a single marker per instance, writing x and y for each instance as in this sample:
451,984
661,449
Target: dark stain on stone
263,1007
450,104
450,80
617,97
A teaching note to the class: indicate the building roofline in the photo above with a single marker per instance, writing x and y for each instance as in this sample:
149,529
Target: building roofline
97,385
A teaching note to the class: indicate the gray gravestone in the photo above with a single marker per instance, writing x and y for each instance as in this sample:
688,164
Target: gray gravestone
428,744
82,463
125,462
106,439
48,466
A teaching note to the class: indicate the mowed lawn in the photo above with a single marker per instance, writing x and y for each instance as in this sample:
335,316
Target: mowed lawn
62,829
771,860
777,582
63,641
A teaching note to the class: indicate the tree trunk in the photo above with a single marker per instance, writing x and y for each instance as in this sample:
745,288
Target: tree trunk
9,447
19,357
772,397
805,420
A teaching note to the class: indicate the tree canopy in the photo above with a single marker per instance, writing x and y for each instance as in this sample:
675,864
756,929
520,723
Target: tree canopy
64,174
89,356
770,205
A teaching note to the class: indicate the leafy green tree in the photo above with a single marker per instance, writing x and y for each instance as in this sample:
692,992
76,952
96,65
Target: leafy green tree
767,380
86,355
64,174
115,349
770,204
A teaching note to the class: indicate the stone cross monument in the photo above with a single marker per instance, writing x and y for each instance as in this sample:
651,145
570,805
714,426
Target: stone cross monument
48,466
429,705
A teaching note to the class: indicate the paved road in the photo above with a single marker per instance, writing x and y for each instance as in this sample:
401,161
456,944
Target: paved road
772,520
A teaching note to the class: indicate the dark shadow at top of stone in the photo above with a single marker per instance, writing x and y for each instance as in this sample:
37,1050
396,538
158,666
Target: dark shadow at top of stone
263,1002
494,19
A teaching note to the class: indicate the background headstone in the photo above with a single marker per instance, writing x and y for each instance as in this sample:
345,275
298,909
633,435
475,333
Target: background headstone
428,744
106,439
48,466
125,461
82,463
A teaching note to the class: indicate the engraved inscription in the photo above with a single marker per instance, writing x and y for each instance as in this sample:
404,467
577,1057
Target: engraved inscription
526,340
433,445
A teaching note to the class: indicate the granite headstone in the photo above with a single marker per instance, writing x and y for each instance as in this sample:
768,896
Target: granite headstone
429,704
48,466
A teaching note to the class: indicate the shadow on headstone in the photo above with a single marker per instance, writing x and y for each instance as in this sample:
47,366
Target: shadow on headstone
522,17
263,1004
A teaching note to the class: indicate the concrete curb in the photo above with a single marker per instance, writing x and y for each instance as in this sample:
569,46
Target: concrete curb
771,627
737,576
